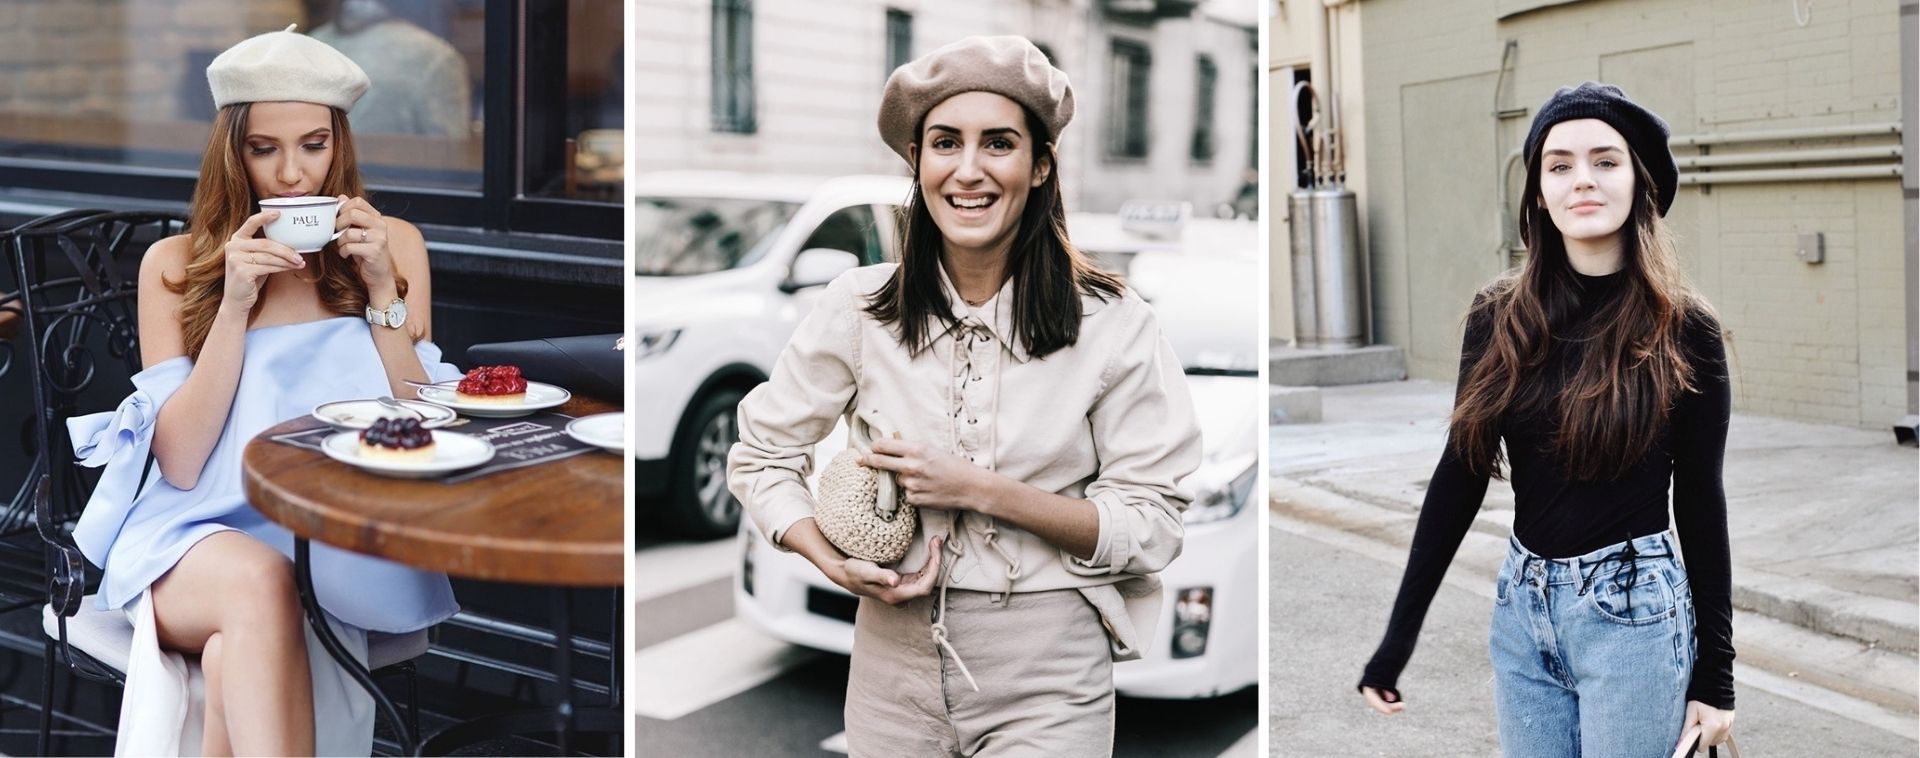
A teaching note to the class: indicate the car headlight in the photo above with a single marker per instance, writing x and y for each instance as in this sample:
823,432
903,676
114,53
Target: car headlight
648,343
1221,501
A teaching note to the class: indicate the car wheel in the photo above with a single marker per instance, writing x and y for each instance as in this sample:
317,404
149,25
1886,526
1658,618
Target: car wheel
700,504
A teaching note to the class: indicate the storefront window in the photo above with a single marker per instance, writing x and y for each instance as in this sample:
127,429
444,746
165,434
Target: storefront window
493,114
125,84
586,158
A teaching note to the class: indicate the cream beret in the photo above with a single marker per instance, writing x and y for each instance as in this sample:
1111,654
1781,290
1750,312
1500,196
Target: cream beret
1007,65
285,65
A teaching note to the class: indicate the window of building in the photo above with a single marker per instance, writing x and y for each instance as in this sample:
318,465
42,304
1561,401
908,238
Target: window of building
1127,100
899,39
111,99
733,96
1206,76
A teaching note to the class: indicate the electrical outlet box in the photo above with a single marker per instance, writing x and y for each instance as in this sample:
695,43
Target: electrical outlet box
1813,248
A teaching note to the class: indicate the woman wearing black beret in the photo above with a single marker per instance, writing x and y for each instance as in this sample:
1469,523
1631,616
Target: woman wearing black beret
1605,374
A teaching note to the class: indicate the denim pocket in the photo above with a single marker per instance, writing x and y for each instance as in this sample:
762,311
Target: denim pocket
1643,597
1500,586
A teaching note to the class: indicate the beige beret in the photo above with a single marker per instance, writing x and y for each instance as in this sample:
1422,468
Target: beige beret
285,65
1008,65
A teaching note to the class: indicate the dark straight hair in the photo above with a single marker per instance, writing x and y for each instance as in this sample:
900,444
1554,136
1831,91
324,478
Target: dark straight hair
1049,274
1632,364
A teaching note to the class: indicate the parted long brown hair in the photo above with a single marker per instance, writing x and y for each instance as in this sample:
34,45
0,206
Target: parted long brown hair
224,198
1049,273
1632,369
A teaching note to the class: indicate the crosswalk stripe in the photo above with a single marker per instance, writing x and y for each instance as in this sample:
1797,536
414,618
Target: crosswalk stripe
666,569
700,668
835,744
1248,746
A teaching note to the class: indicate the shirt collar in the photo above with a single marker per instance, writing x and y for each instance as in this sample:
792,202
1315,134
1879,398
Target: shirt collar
996,315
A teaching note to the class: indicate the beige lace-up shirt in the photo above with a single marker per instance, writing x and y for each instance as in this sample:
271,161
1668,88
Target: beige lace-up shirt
1107,419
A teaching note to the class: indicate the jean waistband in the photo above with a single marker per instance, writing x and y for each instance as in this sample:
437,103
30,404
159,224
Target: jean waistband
1623,556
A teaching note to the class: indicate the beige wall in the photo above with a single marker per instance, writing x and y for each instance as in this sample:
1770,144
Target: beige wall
1818,342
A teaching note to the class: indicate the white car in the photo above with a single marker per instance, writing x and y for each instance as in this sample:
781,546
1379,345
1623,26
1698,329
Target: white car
1206,643
725,266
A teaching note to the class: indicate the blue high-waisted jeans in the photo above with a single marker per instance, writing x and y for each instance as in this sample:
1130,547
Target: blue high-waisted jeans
1592,654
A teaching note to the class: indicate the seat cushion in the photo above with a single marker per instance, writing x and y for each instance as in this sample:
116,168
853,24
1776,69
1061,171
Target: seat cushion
107,637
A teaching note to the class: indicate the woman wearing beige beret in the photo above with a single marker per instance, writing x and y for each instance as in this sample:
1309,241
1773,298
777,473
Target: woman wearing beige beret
1044,425
239,332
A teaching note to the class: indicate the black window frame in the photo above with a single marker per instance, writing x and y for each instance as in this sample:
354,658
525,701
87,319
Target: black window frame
1129,132
735,101
1206,82
525,43
899,39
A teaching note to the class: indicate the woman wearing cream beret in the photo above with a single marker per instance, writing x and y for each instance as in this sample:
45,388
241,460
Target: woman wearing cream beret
1044,425
237,333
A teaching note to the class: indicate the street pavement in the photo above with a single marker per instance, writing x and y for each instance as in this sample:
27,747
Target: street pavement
709,684
1824,531
1330,605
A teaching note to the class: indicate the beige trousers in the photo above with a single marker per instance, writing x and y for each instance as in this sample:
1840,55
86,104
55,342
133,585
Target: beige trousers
1041,659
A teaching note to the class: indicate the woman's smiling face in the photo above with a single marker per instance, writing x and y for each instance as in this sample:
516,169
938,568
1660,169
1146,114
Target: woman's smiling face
977,166
288,148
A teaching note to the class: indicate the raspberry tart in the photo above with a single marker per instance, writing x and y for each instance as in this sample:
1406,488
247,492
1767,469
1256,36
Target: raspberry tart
493,385
397,439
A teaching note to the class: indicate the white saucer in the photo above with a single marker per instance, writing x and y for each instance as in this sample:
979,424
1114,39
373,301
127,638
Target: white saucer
606,431
360,414
540,396
452,451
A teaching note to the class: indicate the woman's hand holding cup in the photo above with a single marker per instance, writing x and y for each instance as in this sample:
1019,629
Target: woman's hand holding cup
251,259
363,237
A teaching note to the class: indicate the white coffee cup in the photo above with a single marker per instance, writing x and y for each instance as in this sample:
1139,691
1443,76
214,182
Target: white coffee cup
305,223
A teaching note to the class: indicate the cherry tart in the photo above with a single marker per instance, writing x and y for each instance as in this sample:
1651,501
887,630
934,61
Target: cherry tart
397,439
501,385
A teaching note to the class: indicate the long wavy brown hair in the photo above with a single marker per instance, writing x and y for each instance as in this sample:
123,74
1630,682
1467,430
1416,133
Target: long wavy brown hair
224,198
1049,273
1632,367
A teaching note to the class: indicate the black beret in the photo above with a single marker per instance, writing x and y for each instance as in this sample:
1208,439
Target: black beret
1645,132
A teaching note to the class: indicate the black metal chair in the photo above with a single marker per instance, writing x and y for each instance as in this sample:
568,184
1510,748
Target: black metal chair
77,274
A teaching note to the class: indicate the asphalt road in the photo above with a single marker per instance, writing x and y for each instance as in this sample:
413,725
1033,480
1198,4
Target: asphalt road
1329,608
710,685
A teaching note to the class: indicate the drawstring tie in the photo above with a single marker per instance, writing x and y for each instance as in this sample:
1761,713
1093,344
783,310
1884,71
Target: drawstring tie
968,334
1628,559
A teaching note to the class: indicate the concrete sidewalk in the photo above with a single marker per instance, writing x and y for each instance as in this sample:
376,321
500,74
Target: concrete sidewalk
1824,520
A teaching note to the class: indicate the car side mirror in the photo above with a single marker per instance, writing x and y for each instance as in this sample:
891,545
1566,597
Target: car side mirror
815,266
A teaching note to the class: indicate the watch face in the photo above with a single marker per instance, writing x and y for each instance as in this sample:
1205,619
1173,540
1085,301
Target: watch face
397,312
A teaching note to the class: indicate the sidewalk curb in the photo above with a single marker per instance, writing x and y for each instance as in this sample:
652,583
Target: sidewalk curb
1878,673
1873,621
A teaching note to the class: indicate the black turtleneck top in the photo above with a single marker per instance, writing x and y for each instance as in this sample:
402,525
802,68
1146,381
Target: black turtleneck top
1558,516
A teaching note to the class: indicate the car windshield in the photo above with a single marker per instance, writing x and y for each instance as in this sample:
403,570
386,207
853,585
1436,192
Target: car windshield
677,236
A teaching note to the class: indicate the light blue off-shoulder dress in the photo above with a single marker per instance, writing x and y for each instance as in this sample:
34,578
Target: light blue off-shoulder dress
135,537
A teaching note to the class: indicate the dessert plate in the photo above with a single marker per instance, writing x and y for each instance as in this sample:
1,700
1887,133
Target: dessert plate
606,431
348,415
452,451
540,396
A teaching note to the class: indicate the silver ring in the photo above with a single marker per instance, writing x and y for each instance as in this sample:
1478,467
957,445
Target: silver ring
363,235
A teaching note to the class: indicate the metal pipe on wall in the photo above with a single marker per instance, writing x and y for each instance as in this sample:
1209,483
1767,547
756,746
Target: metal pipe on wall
1789,156
1907,431
1888,171
1779,135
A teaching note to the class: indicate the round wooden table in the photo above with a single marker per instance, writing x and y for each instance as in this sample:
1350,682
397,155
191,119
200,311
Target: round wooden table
555,523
